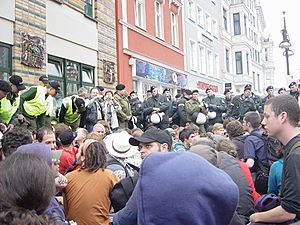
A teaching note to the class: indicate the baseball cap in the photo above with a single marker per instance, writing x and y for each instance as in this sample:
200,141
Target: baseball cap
44,79
55,85
67,137
152,135
18,81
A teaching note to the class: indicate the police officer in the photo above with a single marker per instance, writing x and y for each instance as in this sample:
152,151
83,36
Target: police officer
242,104
157,103
136,108
214,104
282,91
33,105
73,112
5,88
257,101
294,90
182,114
270,94
228,102
10,104
121,97
193,106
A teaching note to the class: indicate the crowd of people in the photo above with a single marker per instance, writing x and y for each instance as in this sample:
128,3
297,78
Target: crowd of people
105,157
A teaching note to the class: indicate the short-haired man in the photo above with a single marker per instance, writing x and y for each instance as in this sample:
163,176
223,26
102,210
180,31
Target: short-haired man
254,149
270,94
124,115
294,91
282,91
281,116
136,108
46,136
186,138
152,140
186,95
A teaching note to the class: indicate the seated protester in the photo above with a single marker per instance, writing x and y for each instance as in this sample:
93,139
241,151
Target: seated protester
119,149
218,129
162,176
237,135
81,136
87,193
186,138
46,136
227,146
275,175
229,165
69,151
53,211
14,138
58,129
25,192
100,129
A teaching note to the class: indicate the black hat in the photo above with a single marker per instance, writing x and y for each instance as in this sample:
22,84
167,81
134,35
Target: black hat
187,91
120,87
4,86
133,92
55,85
152,88
166,89
44,79
80,104
248,87
226,91
269,87
292,84
207,89
67,137
18,81
100,88
152,135
281,89
195,91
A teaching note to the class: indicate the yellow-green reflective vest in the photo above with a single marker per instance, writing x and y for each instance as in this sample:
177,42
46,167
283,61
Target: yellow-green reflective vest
36,106
70,117
7,110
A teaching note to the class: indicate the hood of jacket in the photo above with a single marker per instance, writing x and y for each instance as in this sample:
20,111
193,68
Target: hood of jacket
177,188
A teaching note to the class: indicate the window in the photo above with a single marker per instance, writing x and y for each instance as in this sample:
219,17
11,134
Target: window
225,18
209,63
88,8
247,61
71,75
258,82
201,59
227,60
140,15
199,16
207,23
214,28
238,63
193,56
245,25
174,27
5,61
216,66
236,24
159,24
266,55
191,9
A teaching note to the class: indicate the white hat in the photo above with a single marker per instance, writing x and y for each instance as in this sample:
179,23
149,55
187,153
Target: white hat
211,115
118,145
156,118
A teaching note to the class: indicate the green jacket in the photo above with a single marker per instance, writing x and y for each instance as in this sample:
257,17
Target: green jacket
242,105
181,111
258,103
126,109
192,106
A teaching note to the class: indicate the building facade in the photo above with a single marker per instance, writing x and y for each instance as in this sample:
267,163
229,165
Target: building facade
150,45
202,46
246,54
73,42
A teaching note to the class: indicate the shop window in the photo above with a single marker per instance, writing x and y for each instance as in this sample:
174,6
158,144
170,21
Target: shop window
5,61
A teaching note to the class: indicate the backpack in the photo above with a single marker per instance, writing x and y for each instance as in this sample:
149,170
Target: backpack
121,192
270,145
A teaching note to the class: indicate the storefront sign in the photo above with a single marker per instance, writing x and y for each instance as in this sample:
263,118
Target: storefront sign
203,86
157,73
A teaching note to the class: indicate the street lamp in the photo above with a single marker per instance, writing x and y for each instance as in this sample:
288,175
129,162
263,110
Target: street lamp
286,44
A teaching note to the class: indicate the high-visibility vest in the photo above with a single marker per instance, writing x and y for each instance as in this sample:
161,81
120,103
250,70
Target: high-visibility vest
36,106
7,110
70,117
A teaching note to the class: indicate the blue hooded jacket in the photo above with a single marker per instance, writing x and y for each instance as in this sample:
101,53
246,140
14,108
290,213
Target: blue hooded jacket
180,188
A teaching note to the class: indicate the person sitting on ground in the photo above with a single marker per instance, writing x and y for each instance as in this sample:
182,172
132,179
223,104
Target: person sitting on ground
100,129
186,138
81,136
46,136
218,129
87,193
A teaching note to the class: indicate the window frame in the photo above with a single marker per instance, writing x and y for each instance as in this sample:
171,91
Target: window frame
227,60
193,56
225,19
7,69
89,8
142,18
191,10
238,62
174,29
236,24
159,19
200,16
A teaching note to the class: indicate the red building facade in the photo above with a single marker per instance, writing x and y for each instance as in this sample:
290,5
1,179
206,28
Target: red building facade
150,45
